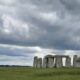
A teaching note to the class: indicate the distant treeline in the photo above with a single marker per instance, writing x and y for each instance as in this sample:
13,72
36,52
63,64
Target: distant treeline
13,66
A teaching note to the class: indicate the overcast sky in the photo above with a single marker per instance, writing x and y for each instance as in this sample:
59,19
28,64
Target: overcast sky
38,27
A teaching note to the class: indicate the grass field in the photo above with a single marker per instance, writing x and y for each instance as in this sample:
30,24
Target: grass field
23,73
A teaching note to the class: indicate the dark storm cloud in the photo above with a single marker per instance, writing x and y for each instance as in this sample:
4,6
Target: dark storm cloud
14,52
44,23
71,5
17,51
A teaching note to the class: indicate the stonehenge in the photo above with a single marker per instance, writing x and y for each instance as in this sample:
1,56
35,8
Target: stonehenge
51,61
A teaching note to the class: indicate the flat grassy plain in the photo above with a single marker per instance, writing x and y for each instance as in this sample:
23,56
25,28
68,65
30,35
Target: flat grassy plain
24,73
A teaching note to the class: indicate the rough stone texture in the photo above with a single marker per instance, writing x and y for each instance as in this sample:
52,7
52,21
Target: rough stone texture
50,62
76,61
39,63
44,62
63,56
35,62
77,64
58,62
68,62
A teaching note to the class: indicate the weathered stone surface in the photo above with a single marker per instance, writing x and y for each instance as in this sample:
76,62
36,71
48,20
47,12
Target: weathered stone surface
50,62
77,64
68,62
39,63
35,62
63,56
58,62
44,62
76,61
47,56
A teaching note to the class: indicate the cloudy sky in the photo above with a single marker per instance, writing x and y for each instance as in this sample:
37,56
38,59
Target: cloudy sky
38,27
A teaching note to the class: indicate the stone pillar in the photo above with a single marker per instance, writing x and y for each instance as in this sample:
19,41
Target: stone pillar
35,62
78,64
50,62
44,62
68,62
39,63
58,62
74,61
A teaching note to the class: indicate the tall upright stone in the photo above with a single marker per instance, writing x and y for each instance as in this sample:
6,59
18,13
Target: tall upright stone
68,62
39,63
74,61
58,62
35,62
78,63
44,62
50,62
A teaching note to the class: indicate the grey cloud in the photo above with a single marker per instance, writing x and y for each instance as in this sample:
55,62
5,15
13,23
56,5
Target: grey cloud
61,34
72,6
17,51
44,24
14,60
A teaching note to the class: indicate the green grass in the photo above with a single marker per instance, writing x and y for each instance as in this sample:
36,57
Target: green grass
23,73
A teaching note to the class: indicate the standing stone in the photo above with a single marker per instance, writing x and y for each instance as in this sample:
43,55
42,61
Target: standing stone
45,61
35,62
74,61
39,63
50,62
58,62
68,62
78,63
